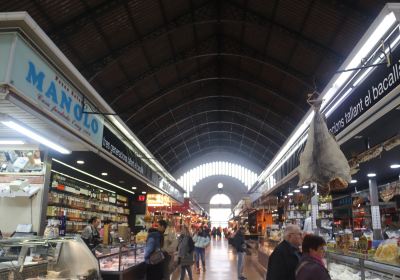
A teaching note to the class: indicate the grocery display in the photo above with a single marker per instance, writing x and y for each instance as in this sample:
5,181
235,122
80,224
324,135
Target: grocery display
77,203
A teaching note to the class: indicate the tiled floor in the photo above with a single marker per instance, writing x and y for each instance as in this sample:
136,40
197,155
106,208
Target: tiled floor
221,264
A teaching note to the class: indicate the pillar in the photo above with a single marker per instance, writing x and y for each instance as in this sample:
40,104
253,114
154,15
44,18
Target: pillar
375,212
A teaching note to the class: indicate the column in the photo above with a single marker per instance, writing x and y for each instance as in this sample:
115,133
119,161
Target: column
375,212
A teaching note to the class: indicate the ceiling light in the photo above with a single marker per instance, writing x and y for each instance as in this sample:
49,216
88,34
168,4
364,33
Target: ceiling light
305,187
297,191
79,180
11,142
290,194
80,162
104,174
101,190
33,135
395,166
121,182
90,175
285,196
371,175
220,185
134,188
353,181
143,192
358,137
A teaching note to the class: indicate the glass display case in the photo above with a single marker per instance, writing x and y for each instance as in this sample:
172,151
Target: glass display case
353,267
122,261
56,258
267,244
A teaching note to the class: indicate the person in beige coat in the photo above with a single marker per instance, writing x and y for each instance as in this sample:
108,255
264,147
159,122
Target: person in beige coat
169,247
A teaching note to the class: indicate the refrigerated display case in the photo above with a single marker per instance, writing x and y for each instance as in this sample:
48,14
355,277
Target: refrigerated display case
55,258
267,244
353,267
123,261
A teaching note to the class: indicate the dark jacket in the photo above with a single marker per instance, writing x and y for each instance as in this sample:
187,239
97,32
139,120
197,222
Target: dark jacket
239,242
185,250
283,262
153,242
310,269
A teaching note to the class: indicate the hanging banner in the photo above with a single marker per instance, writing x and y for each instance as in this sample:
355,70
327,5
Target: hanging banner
47,89
380,82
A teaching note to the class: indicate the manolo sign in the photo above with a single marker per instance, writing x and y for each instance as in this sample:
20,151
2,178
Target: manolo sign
37,80
377,85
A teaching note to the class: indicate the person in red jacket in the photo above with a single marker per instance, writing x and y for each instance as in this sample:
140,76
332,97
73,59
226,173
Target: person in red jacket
311,266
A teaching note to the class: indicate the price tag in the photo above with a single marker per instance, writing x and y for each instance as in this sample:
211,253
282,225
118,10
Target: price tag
376,217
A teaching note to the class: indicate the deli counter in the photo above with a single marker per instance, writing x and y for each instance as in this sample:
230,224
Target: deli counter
55,258
360,267
123,261
267,244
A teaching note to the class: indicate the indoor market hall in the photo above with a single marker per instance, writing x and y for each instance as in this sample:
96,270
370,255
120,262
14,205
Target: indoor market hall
200,139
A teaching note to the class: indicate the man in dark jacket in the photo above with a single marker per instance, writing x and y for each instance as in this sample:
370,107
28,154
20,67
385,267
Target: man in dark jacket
284,259
240,246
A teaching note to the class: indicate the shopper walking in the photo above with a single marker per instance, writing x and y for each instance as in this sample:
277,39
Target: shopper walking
154,243
201,241
311,266
90,233
286,256
185,253
169,248
240,246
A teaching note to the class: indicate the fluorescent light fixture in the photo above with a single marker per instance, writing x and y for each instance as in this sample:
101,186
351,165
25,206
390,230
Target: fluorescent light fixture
12,142
285,196
371,175
101,190
290,194
306,187
395,166
104,173
353,181
143,192
79,180
90,175
140,146
134,188
220,185
33,135
297,191
80,162
358,137
338,102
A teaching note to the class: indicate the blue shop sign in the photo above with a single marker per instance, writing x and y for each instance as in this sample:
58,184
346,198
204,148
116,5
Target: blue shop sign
46,88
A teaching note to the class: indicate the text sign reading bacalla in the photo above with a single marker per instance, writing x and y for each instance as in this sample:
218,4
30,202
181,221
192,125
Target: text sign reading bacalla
49,90
377,85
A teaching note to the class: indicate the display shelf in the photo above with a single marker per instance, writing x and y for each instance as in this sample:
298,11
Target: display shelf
85,209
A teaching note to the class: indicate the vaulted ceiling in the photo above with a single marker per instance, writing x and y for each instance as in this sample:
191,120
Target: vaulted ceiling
194,76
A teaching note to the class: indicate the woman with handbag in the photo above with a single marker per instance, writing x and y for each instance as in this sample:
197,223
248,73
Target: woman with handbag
185,253
153,255
201,241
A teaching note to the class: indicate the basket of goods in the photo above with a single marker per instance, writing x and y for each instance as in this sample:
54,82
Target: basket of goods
388,251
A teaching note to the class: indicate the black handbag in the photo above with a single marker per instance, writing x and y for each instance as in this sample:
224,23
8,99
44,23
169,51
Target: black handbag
156,257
